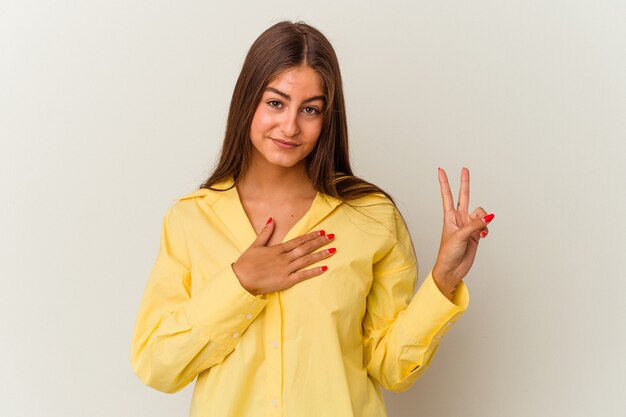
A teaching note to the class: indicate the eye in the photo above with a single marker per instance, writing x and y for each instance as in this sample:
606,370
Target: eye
311,110
274,104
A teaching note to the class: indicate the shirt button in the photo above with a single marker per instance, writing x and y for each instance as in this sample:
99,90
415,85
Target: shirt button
274,344
275,403
249,316
235,335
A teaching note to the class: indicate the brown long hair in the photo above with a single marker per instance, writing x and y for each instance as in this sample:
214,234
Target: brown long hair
283,46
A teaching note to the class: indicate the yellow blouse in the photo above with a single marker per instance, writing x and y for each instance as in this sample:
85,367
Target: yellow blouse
320,348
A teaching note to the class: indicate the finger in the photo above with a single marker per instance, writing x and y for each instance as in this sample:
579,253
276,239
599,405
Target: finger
297,241
475,226
464,190
472,248
446,194
484,232
311,258
266,233
478,213
308,247
305,274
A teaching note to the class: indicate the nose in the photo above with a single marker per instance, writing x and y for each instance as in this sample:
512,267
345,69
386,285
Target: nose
289,124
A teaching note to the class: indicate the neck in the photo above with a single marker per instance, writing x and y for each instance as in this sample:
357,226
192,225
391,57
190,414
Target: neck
263,179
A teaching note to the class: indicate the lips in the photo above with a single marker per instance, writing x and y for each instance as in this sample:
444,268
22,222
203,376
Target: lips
284,144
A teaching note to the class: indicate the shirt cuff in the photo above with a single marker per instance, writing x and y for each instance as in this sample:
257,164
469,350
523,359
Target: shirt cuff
223,308
430,313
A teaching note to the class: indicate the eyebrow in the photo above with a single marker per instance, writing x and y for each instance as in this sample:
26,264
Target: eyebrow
288,97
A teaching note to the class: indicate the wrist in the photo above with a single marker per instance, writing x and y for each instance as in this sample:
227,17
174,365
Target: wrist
446,285
237,275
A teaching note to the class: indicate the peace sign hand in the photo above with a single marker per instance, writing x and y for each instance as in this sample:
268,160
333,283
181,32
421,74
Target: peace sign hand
459,237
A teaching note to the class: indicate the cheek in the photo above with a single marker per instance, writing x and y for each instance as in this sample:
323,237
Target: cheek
261,121
314,130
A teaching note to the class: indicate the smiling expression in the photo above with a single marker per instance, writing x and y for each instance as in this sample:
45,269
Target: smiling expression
288,119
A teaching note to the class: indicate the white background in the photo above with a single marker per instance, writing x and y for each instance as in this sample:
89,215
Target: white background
109,110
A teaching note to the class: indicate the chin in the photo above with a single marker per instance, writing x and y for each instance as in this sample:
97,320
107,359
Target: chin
282,159
284,163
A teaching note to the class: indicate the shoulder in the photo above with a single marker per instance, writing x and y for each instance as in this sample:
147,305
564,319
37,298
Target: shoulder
373,201
373,204
207,194
376,215
200,193
374,210
196,203
190,203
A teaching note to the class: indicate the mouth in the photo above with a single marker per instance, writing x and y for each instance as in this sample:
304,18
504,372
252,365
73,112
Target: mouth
283,144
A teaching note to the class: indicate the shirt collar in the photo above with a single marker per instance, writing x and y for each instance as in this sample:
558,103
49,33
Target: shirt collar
227,206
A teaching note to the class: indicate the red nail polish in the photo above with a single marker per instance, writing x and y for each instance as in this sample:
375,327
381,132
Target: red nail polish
268,221
324,268
483,234
321,233
488,217
330,236
332,250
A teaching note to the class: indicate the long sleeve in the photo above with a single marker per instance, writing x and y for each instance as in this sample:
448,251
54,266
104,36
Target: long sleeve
177,336
403,334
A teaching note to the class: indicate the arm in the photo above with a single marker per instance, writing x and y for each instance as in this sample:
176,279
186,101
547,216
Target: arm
402,334
177,336
401,341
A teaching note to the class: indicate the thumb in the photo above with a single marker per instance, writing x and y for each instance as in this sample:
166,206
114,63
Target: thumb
266,233
479,222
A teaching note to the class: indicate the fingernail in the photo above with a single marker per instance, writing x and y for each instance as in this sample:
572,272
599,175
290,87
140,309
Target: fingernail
268,221
332,250
324,268
330,236
488,217
321,233
483,234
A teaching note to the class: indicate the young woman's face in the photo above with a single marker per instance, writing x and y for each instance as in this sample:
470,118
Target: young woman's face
288,119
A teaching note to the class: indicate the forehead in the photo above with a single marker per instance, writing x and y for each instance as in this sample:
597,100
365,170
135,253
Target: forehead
303,78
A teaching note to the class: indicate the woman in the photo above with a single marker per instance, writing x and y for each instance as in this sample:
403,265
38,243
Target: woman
285,284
